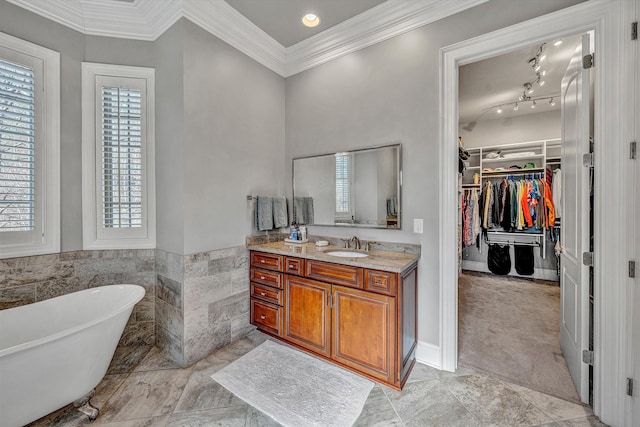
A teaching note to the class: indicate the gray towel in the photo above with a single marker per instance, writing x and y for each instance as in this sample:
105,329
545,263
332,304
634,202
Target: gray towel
308,210
264,213
303,210
280,214
298,210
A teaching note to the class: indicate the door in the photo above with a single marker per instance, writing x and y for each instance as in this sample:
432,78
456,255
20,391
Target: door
364,331
307,320
574,277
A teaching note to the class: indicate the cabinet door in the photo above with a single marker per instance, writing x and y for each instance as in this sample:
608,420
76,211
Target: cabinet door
307,314
364,332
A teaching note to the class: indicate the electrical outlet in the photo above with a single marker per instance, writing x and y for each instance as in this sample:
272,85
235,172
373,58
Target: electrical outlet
417,225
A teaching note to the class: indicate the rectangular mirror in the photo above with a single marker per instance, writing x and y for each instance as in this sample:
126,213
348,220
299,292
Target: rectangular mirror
359,188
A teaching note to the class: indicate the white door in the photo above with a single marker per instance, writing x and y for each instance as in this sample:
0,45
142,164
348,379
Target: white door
635,328
574,277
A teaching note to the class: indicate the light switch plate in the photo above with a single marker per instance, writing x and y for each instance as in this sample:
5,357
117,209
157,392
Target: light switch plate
417,225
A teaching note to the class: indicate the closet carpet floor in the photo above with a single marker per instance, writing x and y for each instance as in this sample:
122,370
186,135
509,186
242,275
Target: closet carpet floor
510,327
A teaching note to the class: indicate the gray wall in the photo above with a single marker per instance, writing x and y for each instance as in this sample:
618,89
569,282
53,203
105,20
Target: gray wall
530,127
233,140
170,167
387,93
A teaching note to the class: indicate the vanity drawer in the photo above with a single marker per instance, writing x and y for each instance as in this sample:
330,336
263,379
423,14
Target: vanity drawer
334,273
265,260
294,266
266,277
267,293
382,282
267,317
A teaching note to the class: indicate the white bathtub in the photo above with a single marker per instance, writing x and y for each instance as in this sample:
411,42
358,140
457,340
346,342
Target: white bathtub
54,352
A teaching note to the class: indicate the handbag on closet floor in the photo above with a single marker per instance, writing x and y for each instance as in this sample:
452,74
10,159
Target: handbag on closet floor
499,259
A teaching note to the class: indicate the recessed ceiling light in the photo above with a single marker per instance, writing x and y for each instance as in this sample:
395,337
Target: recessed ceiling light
310,20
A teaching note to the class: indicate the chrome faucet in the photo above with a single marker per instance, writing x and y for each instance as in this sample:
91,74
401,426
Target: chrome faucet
355,241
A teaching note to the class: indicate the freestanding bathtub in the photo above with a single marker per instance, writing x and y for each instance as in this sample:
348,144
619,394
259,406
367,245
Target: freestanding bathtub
56,351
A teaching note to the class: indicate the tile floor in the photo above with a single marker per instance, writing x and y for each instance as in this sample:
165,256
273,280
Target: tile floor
144,388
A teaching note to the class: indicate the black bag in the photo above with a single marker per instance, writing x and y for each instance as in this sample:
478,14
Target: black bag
523,259
499,259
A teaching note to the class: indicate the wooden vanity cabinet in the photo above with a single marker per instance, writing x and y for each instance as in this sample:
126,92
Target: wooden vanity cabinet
359,318
307,314
364,330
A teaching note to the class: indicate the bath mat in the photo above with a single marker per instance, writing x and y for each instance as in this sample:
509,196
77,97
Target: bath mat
295,389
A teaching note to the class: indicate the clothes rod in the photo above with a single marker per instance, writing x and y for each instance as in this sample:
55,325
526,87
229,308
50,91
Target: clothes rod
514,172
513,243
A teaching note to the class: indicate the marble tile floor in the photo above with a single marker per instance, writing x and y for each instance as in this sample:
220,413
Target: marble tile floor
144,388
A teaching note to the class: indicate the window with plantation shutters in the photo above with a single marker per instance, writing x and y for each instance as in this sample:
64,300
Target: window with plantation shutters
118,157
29,148
17,147
344,172
121,143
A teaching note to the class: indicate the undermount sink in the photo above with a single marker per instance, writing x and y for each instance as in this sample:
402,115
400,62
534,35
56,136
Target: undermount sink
347,254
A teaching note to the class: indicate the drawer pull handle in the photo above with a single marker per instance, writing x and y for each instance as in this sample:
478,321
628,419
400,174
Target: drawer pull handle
263,317
378,282
262,277
291,266
262,293
262,261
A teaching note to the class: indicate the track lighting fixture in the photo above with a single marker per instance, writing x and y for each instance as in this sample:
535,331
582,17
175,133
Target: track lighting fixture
533,104
552,102
515,107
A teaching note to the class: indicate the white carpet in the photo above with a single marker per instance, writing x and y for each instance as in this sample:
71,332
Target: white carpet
294,388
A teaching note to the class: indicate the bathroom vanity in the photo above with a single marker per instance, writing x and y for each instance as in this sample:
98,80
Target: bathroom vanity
359,313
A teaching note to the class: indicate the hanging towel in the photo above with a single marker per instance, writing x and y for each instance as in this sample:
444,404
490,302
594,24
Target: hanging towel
264,213
308,210
280,214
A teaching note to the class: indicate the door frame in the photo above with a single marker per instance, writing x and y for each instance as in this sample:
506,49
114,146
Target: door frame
605,18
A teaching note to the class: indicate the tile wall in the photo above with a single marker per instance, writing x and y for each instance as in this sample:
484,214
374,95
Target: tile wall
193,305
31,279
202,302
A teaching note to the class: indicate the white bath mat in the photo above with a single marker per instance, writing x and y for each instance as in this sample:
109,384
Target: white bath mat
294,388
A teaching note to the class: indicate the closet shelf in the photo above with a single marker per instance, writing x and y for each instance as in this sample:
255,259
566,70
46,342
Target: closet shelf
513,159
514,172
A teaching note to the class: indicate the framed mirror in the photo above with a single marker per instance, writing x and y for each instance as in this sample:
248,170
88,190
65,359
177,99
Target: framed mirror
359,188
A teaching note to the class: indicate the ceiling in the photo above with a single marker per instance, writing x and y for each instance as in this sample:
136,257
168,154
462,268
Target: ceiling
499,80
282,19
346,25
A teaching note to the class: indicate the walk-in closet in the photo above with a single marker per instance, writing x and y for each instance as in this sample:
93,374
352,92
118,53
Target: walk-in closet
510,201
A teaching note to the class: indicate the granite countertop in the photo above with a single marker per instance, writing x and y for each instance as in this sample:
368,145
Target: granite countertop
396,262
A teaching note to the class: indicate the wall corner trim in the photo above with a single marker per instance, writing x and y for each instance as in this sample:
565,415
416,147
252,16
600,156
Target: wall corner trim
429,354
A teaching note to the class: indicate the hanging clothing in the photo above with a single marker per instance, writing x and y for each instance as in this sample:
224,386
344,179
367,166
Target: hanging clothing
557,191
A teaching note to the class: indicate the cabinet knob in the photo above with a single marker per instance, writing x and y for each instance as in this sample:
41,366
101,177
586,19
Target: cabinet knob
262,261
262,277
291,266
263,317
262,293
378,282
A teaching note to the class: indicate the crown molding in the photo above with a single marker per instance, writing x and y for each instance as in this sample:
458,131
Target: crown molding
148,19
387,20
226,23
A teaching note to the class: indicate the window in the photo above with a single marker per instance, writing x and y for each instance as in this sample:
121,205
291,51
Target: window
29,149
118,157
344,174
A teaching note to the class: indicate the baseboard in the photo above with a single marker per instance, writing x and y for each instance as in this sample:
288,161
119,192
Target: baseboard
428,354
538,273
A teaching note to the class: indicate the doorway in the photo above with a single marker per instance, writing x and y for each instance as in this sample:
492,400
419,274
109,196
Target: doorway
515,320
604,18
